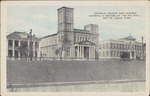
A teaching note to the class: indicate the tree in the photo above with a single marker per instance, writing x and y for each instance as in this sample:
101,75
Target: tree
64,42
125,55
23,50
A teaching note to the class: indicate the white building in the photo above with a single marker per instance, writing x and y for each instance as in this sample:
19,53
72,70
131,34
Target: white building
16,40
113,49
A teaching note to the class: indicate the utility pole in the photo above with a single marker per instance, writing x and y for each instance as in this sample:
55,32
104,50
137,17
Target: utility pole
142,49
31,53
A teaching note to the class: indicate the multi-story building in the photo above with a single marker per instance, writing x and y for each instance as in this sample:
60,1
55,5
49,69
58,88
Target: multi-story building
19,45
113,49
69,42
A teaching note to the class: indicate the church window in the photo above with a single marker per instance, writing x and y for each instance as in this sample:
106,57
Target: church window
83,39
80,38
68,51
86,38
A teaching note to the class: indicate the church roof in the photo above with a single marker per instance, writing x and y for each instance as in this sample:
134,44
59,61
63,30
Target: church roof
65,7
86,43
50,35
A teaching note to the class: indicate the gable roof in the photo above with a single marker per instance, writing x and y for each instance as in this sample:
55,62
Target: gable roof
49,35
86,43
21,36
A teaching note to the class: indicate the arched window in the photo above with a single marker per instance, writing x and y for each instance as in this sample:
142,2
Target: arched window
68,51
86,38
78,39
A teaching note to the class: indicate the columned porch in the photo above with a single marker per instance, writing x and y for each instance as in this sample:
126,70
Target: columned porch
85,51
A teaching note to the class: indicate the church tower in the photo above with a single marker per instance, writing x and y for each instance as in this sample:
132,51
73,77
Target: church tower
65,19
65,30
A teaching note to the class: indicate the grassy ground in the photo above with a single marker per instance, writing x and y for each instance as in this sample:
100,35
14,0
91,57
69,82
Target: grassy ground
21,72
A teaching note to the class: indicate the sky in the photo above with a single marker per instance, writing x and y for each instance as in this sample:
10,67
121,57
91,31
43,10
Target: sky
43,20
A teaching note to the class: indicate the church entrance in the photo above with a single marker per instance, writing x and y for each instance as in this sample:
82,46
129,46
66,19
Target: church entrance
86,52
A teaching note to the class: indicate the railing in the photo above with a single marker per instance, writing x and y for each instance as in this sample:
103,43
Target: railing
67,59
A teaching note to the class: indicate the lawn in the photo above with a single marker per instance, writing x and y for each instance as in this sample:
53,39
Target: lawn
21,72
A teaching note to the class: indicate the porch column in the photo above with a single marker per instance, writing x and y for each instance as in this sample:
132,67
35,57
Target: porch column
134,54
89,52
94,52
13,48
130,54
82,51
78,52
29,48
19,46
33,47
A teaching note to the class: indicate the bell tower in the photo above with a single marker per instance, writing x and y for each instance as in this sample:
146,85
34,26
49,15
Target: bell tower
65,19
66,30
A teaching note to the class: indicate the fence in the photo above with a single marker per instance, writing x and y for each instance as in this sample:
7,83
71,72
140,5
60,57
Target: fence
50,58
104,85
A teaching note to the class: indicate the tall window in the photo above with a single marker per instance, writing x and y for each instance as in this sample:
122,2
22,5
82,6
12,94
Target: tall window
35,53
103,53
10,43
107,53
107,45
16,43
110,45
36,45
10,53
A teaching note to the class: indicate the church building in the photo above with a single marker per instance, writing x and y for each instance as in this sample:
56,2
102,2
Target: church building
70,43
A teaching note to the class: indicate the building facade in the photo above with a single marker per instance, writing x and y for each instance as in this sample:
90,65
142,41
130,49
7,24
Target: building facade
69,42
113,49
19,46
